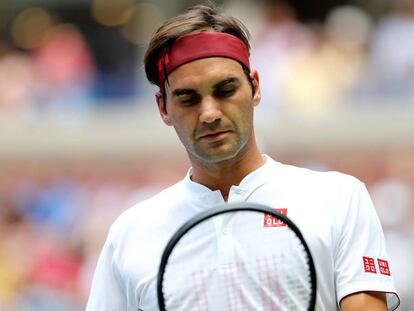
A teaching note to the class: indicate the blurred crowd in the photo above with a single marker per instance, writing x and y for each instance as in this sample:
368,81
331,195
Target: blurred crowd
56,76
348,59
53,221
54,218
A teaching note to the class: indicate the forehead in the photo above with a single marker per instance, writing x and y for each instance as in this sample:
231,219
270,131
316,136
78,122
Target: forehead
204,72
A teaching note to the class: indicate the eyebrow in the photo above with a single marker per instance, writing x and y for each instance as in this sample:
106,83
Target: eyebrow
179,92
225,81
187,91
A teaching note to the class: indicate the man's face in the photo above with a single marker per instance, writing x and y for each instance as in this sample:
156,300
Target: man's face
210,105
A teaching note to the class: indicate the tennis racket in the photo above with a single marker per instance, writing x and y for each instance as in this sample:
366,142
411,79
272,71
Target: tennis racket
238,256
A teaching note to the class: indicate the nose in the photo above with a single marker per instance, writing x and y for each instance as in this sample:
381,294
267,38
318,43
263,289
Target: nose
210,110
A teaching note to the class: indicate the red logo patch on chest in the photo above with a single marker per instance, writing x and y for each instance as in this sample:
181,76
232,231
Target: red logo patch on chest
270,221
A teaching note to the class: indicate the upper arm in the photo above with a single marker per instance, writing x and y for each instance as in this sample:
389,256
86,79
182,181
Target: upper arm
364,301
106,291
361,264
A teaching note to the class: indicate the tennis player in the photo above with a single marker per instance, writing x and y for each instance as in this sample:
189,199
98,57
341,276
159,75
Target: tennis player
208,92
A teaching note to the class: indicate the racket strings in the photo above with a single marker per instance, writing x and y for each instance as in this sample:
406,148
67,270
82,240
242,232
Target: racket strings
254,268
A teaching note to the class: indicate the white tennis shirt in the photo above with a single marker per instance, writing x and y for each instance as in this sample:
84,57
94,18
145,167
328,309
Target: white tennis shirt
333,211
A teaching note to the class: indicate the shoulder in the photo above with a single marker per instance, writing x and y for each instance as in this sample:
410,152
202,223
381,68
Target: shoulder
339,197
153,210
306,177
321,189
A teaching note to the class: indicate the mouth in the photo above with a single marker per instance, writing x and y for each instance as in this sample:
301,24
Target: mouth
213,136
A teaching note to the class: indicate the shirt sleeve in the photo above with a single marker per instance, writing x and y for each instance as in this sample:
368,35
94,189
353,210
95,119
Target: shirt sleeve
361,262
107,293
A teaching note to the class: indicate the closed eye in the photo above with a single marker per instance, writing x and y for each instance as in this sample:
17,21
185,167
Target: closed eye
225,92
188,99
186,96
226,87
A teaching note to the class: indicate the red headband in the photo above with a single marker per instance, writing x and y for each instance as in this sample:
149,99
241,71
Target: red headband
199,45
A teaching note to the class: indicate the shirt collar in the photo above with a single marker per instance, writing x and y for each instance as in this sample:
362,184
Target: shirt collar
248,185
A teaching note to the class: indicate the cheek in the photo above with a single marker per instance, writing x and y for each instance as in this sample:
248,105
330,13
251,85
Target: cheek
245,109
245,118
183,126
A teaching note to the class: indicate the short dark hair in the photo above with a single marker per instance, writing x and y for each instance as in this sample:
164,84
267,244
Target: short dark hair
196,18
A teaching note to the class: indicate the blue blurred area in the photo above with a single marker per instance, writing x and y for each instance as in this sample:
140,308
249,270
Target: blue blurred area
52,205
56,208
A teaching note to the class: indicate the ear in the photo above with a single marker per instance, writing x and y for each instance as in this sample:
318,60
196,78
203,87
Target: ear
162,109
255,80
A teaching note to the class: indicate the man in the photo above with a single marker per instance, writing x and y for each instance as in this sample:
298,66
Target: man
207,92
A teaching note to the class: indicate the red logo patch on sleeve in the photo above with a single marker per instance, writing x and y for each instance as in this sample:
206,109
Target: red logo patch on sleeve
270,221
383,267
369,264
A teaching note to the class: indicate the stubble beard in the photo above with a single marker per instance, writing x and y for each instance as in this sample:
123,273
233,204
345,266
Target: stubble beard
219,152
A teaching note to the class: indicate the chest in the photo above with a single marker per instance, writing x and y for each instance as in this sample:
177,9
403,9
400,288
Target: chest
221,247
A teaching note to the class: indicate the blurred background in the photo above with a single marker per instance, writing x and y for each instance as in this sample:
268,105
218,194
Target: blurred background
81,141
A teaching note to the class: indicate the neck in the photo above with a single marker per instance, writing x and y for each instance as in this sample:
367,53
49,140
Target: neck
221,176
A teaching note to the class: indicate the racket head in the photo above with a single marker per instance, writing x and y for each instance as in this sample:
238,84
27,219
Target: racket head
227,209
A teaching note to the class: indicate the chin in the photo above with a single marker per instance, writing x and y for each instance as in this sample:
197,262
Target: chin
221,153
218,157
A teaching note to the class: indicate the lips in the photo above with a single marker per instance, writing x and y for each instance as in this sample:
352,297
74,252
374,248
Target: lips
213,136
